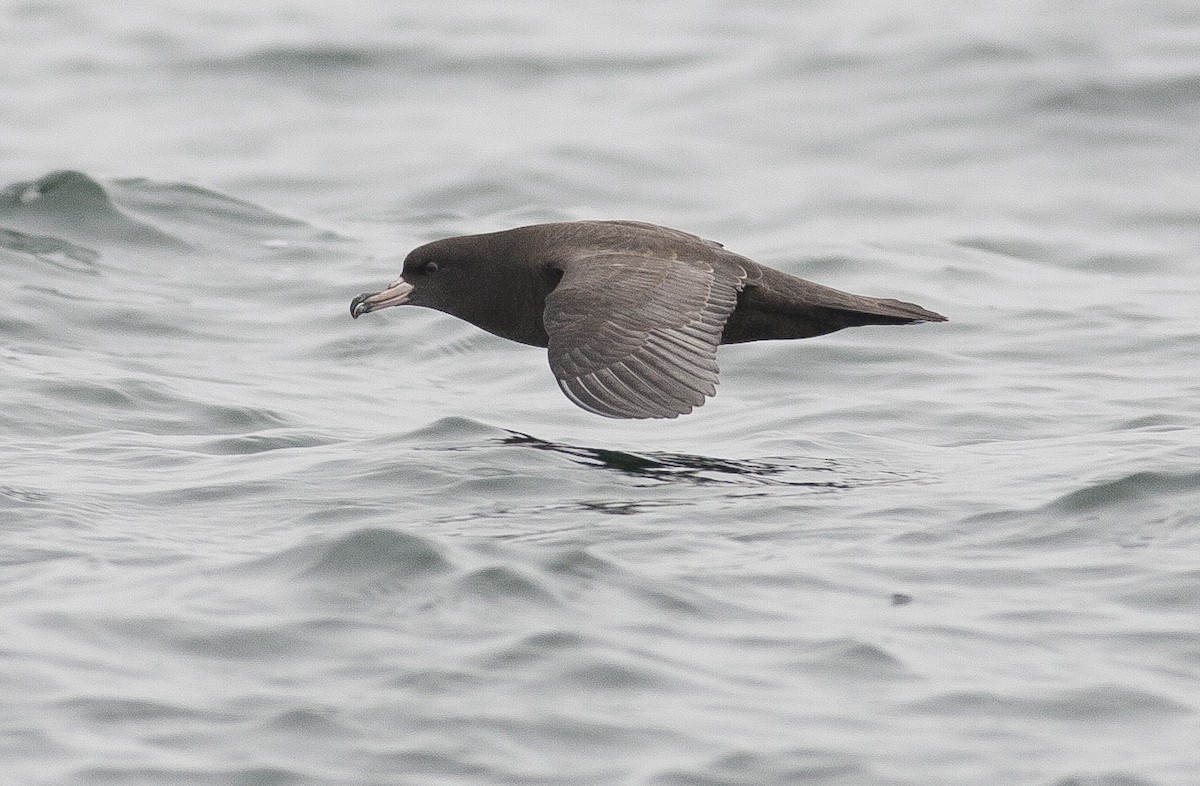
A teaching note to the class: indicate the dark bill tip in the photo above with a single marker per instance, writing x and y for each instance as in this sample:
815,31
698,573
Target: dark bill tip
396,294
359,306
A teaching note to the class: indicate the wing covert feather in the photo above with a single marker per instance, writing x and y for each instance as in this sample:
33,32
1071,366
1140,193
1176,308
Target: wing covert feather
635,336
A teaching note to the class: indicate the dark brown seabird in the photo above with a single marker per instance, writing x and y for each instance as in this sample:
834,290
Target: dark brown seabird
632,313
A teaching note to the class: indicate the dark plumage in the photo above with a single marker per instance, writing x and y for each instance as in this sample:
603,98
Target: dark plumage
632,313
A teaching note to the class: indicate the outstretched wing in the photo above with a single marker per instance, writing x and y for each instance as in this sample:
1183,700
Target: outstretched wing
634,336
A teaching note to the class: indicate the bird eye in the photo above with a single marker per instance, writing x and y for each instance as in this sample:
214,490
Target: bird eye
430,267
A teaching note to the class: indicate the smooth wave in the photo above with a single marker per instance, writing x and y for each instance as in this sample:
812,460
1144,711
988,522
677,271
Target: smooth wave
1137,488
441,60
73,206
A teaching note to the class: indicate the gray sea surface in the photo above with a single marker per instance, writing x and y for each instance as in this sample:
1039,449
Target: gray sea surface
247,540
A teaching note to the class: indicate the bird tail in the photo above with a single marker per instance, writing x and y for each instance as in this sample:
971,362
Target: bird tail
887,311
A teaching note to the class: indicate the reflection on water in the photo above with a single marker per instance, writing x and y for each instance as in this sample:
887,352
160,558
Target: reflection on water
666,467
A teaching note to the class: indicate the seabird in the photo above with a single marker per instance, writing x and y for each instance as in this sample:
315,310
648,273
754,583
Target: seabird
631,313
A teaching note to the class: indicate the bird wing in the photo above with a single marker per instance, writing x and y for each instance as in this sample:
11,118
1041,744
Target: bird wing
635,336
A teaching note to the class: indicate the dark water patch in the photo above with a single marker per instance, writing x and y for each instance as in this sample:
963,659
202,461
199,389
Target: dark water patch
1106,779
183,775
326,61
498,482
576,572
1135,510
980,52
573,662
1140,264
52,250
21,329
59,511
364,564
451,433
246,643
126,395
63,303
314,59
215,639
352,348
374,555
24,743
1031,529
439,680
114,320
678,600
753,768
71,205
1178,592
1176,648
228,492
1162,522
137,403
447,761
853,660
1056,619
516,65
398,480
209,217
535,649
1003,251
22,496
113,709
1135,488
502,582
366,552
574,728
1135,96
1015,247
337,511
581,564
321,723
1115,704
237,418
617,674
32,558
262,442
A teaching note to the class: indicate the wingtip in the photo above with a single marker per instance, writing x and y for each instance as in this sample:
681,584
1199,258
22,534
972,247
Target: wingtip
910,313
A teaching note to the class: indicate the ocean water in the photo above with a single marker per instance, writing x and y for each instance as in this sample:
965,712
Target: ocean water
247,540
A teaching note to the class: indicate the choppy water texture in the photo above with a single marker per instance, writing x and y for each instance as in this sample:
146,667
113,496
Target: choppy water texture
246,540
